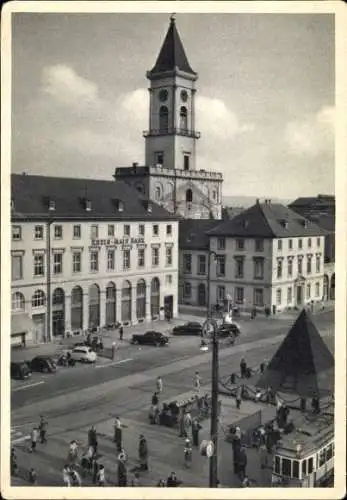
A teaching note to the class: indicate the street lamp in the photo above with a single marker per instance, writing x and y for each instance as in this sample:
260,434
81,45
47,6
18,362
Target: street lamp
212,324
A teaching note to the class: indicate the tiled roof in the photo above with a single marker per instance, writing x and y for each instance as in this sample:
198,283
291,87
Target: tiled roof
303,364
31,195
192,233
172,54
267,220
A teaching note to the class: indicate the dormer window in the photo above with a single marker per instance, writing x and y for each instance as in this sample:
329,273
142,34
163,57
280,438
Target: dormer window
119,205
148,206
87,205
305,223
51,205
284,223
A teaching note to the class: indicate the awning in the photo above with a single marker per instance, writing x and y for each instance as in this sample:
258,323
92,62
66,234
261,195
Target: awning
21,323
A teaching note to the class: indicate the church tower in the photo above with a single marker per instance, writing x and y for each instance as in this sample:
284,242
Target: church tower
171,138
170,176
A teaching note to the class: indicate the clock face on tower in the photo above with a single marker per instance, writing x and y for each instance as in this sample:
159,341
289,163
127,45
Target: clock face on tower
163,95
184,95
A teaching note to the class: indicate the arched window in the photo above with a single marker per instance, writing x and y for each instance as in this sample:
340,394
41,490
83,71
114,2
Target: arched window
18,302
163,119
126,302
189,196
183,118
94,306
157,193
76,308
38,299
110,304
141,299
155,297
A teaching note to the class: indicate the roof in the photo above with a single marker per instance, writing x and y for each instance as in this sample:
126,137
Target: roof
303,364
267,220
192,233
172,54
320,200
31,193
231,212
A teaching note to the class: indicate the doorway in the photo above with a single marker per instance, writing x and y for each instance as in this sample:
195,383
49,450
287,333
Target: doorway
40,327
299,295
168,306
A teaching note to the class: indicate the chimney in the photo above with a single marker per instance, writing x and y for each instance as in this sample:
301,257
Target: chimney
135,164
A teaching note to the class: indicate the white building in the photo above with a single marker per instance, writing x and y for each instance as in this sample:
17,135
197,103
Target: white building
266,257
88,253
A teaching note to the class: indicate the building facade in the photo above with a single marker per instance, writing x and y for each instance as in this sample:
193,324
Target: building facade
170,176
267,257
88,254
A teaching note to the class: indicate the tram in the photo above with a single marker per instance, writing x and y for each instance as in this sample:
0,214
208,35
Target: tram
304,458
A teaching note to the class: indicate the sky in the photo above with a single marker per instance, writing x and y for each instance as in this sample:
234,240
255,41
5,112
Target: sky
265,100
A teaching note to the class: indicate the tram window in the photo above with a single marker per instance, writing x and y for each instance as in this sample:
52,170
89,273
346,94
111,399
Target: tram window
304,462
286,467
322,457
310,465
329,452
277,465
296,469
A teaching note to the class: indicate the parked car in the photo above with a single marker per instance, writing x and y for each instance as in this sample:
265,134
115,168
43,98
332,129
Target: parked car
20,370
150,338
227,330
84,354
190,328
43,364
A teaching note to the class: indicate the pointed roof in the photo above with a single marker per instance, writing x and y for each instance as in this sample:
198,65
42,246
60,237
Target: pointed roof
303,364
172,54
267,220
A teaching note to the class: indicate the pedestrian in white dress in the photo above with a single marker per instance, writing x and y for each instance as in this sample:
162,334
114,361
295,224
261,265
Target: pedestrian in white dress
67,476
159,384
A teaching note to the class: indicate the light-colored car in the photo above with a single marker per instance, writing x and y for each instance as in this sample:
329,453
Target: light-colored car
84,354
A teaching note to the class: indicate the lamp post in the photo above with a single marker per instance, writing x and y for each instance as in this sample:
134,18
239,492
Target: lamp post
213,465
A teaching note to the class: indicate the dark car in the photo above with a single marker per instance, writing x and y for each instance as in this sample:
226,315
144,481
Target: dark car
190,328
43,364
150,338
20,370
229,330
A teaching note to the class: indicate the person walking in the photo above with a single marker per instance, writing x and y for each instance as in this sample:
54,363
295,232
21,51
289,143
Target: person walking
73,452
197,382
159,385
122,474
43,429
187,423
118,433
95,469
188,454
242,463
196,427
243,368
34,436
121,332
75,478
32,476
100,477
143,452
93,439
67,476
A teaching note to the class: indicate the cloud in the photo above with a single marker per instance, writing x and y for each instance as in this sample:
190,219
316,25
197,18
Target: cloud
312,135
220,121
64,85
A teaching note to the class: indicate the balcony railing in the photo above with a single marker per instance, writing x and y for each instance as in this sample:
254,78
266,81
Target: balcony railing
170,131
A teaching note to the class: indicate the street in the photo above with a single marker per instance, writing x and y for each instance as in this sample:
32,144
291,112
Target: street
75,398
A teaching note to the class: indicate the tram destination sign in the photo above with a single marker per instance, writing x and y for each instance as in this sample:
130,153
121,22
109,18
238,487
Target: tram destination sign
126,242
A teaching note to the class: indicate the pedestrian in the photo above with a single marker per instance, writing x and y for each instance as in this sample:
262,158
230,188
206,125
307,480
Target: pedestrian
73,452
187,423
159,385
242,463
239,392
114,350
32,476
161,483
263,455
75,478
43,429
34,436
121,332
143,452
155,399
122,474
100,477
92,438
118,434
95,469
188,454
135,480
197,382
172,481
86,460
243,368
236,444
67,475
196,427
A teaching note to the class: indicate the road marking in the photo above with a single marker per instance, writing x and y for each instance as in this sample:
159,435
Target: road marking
27,386
115,363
